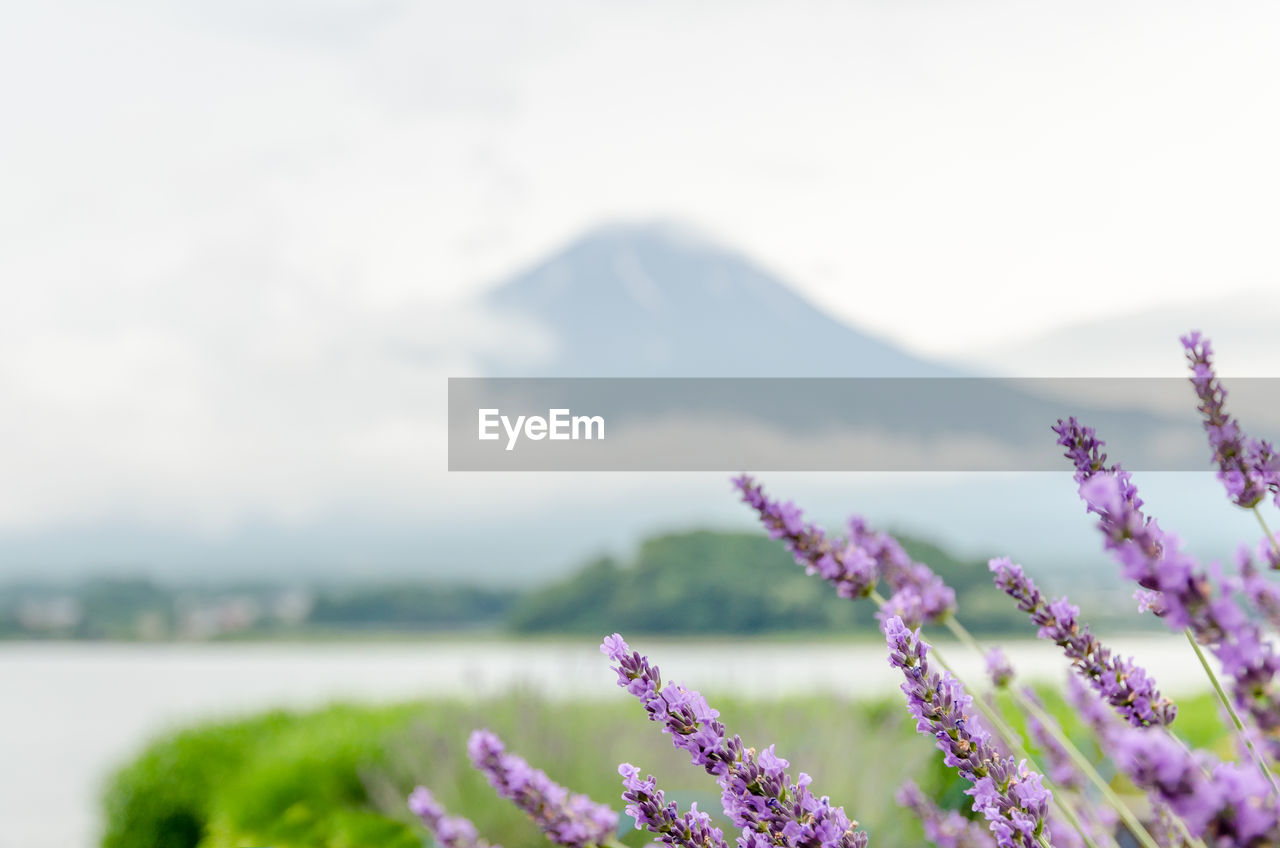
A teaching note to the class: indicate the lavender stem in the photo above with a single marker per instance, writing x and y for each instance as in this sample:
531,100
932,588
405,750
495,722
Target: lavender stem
1245,735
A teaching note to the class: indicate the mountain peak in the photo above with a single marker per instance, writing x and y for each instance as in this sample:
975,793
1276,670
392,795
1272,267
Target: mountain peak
643,264
660,298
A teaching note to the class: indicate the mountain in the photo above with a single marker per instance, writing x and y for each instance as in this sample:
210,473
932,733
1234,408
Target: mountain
652,300
659,300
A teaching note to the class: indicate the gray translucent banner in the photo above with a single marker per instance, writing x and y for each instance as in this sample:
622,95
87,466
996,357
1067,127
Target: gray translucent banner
943,424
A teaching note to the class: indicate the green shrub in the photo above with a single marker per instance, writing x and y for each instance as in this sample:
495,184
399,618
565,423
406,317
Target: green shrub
281,780
338,777
163,798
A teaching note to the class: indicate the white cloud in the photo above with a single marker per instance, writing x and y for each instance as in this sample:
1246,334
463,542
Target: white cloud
236,233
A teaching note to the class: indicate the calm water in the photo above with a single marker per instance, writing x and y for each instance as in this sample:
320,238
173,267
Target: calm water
73,711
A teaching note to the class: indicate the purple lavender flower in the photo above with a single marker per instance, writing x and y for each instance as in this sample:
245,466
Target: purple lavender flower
855,564
850,570
943,828
1084,449
449,831
1097,823
1261,592
568,819
1229,806
647,804
1011,798
1163,825
1247,467
755,790
915,588
1191,599
999,669
1124,685
1270,554
1107,728
1149,601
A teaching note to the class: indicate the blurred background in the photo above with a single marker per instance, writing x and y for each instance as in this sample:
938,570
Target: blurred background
246,244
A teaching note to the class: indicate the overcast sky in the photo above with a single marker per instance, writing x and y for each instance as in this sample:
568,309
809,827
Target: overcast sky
224,223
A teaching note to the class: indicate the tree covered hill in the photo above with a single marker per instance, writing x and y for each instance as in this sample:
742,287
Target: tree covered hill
706,582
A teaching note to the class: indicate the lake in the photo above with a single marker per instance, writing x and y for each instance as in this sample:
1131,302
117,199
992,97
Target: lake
73,711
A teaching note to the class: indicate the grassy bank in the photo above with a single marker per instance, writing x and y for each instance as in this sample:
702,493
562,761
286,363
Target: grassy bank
338,777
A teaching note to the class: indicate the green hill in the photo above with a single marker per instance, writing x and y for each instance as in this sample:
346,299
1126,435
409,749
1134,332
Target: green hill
706,582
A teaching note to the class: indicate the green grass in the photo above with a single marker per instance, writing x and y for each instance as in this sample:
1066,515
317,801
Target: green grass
338,777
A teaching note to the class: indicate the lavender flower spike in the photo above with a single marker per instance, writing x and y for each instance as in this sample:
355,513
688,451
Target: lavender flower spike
944,828
449,831
1124,685
1006,793
1261,592
649,807
1084,449
846,567
1191,600
1232,806
1247,467
571,820
999,669
854,565
757,793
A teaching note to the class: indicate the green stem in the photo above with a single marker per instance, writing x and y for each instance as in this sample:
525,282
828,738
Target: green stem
1245,736
1257,513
